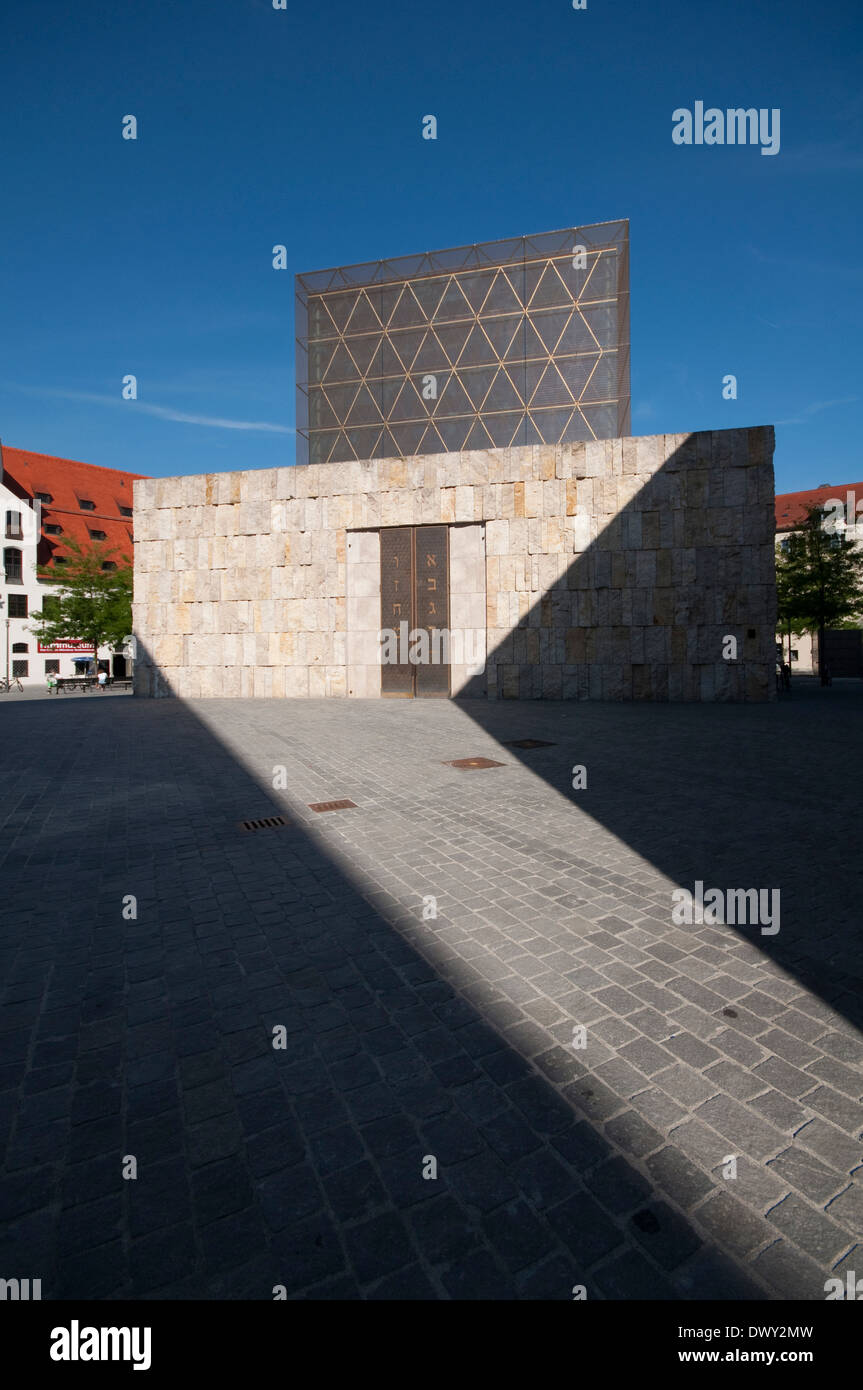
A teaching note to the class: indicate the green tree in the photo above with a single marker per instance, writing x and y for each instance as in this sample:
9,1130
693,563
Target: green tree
819,580
88,603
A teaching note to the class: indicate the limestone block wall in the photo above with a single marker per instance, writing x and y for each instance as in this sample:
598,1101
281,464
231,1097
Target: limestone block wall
363,549
467,608
608,570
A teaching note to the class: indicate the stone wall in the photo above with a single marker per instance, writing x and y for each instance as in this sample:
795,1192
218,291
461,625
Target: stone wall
608,570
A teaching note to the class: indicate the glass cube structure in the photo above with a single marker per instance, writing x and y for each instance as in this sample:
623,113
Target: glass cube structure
513,342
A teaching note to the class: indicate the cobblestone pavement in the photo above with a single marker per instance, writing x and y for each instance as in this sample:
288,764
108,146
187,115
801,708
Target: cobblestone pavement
41,692
410,1037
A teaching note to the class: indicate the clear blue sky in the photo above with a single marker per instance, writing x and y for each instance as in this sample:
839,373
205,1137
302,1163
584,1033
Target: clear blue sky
259,126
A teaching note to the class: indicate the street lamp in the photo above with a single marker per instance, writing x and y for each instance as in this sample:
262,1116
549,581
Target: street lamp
2,601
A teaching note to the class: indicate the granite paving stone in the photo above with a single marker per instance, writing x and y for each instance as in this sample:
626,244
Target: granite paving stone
429,1130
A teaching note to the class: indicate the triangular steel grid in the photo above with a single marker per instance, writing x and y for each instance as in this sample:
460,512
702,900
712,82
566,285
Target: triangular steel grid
511,331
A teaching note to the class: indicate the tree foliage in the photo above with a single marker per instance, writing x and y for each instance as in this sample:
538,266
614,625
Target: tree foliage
87,603
819,577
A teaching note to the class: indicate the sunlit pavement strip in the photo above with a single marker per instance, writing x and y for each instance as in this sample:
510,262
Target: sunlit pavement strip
411,1036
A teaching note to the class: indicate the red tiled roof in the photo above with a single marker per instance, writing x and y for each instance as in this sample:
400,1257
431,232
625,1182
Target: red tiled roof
791,507
67,481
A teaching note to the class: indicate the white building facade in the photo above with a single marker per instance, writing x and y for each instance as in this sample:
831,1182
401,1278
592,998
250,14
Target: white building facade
843,515
26,545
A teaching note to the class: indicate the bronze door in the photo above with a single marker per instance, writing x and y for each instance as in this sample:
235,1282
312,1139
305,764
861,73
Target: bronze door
415,609
397,608
431,608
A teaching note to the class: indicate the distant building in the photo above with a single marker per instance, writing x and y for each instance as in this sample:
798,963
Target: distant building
46,502
844,504
496,345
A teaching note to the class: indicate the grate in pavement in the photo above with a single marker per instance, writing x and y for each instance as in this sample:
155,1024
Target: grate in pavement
343,805
473,764
265,823
530,743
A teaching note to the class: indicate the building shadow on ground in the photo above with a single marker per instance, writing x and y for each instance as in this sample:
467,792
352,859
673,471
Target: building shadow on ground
151,1036
703,795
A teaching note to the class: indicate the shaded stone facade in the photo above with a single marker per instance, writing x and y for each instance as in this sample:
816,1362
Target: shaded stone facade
608,570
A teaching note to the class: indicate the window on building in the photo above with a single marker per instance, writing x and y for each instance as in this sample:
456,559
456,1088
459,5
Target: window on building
43,497
109,564
98,536
52,529
13,526
59,559
12,565
86,505
20,668
17,605
125,511
50,606
19,646
52,666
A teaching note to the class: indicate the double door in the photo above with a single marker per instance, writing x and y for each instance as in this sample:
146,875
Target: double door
415,611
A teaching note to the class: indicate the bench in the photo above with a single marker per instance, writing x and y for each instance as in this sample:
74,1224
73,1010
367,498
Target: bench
74,683
91,683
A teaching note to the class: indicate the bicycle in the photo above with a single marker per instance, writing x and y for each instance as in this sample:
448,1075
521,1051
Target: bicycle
8,683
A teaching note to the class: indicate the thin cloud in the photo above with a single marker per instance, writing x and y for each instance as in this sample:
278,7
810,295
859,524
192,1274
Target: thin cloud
801,265
810,410
824,156
242,383
160,411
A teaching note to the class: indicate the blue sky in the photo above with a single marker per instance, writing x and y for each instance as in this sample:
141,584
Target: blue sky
260,126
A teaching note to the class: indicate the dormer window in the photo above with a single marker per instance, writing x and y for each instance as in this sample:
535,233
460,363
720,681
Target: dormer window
109,564
43,496
53,529
86,505
97,536
125,511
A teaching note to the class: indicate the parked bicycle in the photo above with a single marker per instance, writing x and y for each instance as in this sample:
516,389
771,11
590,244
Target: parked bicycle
8,683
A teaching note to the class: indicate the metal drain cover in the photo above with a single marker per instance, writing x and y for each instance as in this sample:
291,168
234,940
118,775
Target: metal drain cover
344,805
530,743
265,823
472,764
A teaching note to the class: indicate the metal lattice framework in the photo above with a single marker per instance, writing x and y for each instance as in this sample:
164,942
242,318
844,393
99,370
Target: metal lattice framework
507,342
